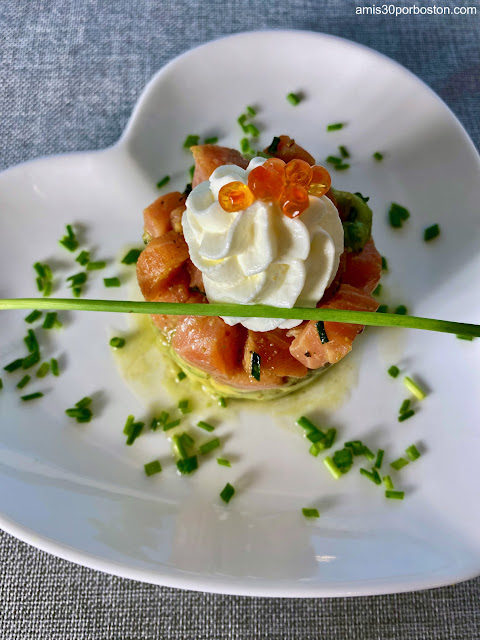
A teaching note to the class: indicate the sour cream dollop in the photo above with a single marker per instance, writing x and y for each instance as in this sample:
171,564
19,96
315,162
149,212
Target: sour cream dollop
259,255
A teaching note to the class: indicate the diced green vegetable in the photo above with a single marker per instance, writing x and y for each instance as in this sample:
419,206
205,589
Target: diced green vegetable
13,366
69,241
368,453
205,426
322,334
335,127
171,425
50,320
412,452
406,415
83,258
132,257
43,370
414,388
431,232
184,406
96,266
378,290
387,481
227,493
332,467
187,465
397,215
341,167
384,264
371,475
32,317
255,365
294,99
152,467
191,141
117,342
310,513
393,371
334,160
378,156
222,402
54,367
343,459
344,151
212,140
209,446
383,308
163,182
379,459
223,462
23,382
32,396
399,464
135,431
181,375
395,495
405,406
112,282
401,310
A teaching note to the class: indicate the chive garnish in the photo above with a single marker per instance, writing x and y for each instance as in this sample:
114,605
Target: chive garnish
227,493
54,367
23,382
322,334
83,258
43,369
32,317
187,465
383,308
378,156
255,365
335,127
156,422
242,120
77,279
272,149
96,266
344,151
117,343
31,341
31,360
127,429
209,446
387,481
341,167
181,375
460,337
368,453
84,402
378,290
163,182
379,459
13,366
50,320
334,160
191,141
431,232
357,447
32,396
191,171
399,464
405,406
252,130
384,264
135,431
69,241
205,426
244,145
406,415
395,495
397,215
82,412
1,384
414,388
184,406
314,449
111,282
294,99
187,440
171,425
306,424
310,513
401,310
393,371
343,459
222,402
371,475
329,439
132,256
179,446
152,467
332,467
223,462
412,452
212,140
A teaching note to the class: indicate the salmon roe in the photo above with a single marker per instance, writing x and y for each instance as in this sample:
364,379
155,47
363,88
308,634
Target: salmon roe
287,184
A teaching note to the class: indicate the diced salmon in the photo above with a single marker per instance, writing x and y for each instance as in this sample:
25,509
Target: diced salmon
176,218
196,278
288,149
210,344
273,349
209,157
179,290
363,270
160,262
157,216
307,347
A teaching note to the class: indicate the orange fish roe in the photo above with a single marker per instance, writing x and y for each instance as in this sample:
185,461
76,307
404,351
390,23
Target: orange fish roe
320,183
235,196
299,172
294,200
265,183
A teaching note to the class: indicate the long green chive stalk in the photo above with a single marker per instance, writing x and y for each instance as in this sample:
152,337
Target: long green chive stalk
245,311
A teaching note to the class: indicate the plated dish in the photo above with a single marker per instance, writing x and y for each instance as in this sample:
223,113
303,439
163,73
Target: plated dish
261,544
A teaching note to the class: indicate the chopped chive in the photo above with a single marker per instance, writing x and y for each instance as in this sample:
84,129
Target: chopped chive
77,291
395,495
393,371
179,446
242,119
50,320
191,141
414,388
329,439
253,130
244,145
77,279
31,341
251,111
383,308
39,268
227,493
152,467
187,440
294,99
322,334
405,406
54,367
306,424
96,266
83,258
156,422
315,435
431,232
344,151
171,425
223,462
255,365
371,475
43,369
397,215
111,282
379,459
310,513
184,406
343,459
212,140
459,336
69,241
31,360
334,160
378,156
191,171
272,149
32,396
164,181
401,310
378,290
384,264
387,481
357,447
412,452
164,417
205,426
117,343
84,402
127,429
32,317
1,384
332,467
314,449
399,464
47,290
135,431
40,285
181,375
187,465
132,256
222,402
23,382
13,366
209,446
341,167
368,453
335,127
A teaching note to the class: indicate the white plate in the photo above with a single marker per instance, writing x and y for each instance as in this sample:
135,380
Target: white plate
80,493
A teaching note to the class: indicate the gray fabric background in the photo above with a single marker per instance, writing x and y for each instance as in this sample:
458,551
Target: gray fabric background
70,73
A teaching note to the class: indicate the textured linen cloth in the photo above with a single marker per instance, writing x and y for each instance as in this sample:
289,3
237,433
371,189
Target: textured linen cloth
70,73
